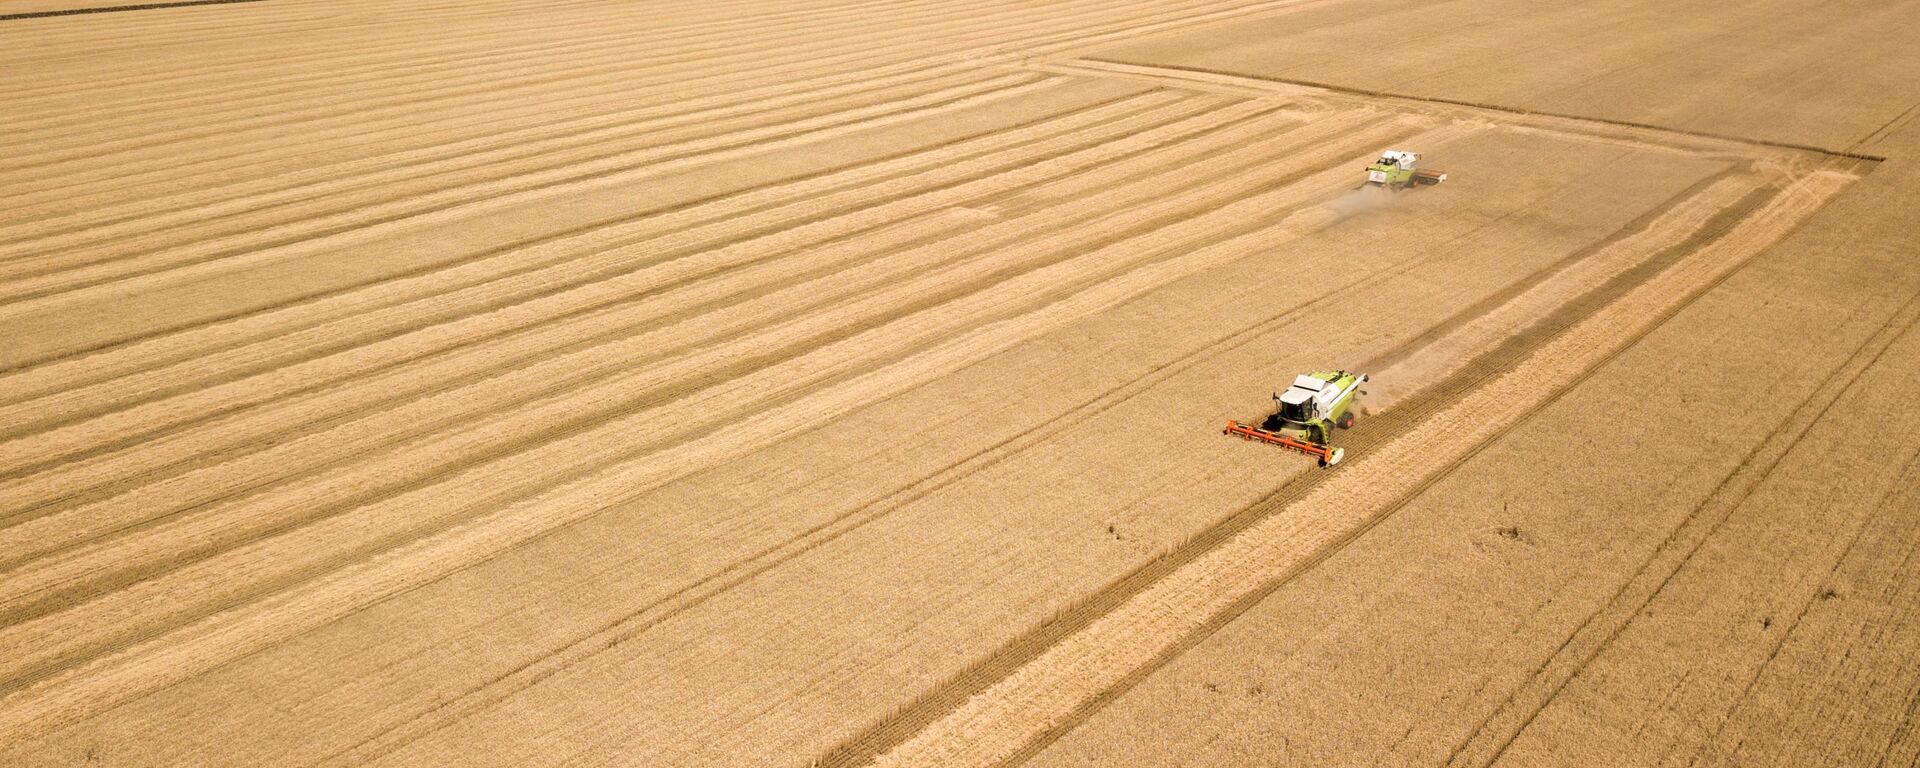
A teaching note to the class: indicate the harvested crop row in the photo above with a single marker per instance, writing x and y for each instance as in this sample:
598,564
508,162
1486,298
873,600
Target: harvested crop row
506,275
92,279
398,57
402,117
608,308
588,71
130,211
1023,708
591,408
75,690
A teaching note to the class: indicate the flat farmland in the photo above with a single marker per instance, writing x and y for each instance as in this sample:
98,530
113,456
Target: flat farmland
840,383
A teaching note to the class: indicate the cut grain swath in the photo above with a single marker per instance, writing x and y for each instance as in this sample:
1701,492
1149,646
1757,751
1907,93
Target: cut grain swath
491,281
590,273
1027,706
547,333
1194,246
203,528
40,291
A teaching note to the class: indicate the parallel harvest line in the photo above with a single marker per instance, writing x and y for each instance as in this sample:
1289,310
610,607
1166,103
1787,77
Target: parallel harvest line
108,232
606,307
83,194
589,78
449,707
147,32
344,317
513,274
499,84
315,236
681,146
908,285
358,59
486,125
1169,254
998,724
597,92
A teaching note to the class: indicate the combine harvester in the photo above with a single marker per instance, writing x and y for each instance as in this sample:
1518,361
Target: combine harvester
1307,413
1396,170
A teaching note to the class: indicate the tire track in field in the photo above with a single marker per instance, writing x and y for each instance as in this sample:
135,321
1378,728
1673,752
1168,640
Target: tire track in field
1017,713
313,237
936,343
827,250
253,341
524,436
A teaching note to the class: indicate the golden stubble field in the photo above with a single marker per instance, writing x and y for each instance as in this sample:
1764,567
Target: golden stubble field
839,383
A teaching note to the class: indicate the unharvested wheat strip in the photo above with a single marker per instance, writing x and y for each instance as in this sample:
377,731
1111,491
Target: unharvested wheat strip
901,219
150,271
236,521
353,60
98,232
301,329
999,722
492,95
648,244
1445,356
188,651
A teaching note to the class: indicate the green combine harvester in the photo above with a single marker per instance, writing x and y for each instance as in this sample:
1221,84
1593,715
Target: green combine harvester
1397,170
1307,413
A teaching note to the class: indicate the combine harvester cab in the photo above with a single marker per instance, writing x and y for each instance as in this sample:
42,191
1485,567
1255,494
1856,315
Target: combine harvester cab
1306,414
1398,170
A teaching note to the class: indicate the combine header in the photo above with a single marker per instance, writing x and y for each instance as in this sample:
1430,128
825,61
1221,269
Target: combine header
1395,170
1306,414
